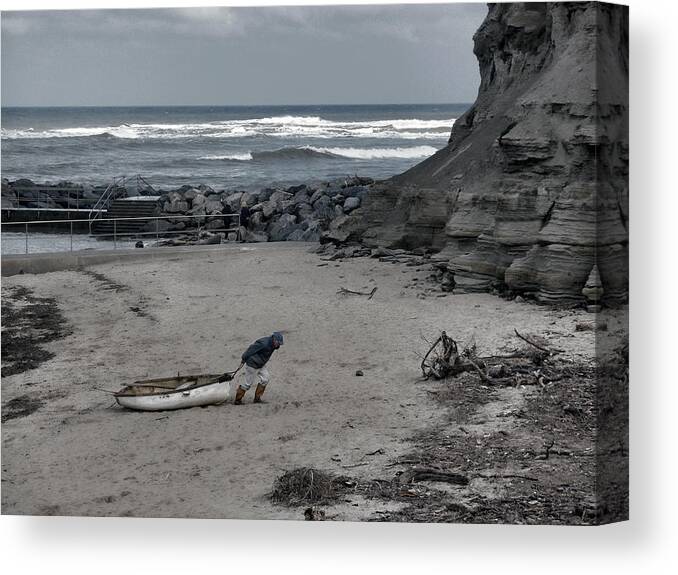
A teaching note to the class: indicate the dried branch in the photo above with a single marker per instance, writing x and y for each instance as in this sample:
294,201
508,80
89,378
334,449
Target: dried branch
539,347
480,371
345,291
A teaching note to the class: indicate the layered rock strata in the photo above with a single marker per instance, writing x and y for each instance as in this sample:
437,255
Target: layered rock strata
531,191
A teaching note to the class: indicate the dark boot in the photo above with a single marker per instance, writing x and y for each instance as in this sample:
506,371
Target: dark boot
259,392
239,395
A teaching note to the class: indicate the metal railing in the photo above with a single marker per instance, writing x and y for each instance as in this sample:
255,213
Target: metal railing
54,196
117,185
117,236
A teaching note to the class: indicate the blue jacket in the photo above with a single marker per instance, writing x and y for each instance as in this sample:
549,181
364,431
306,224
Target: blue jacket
258,354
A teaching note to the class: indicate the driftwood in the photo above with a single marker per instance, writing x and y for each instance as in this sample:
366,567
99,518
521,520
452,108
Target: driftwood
428,474
481,373
445,357
507,476
345,291
539,347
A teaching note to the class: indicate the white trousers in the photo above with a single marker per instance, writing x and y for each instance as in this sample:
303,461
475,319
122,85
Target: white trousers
254,375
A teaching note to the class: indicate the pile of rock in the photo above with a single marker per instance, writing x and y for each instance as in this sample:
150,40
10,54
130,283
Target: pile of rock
332,252
297,213
24,193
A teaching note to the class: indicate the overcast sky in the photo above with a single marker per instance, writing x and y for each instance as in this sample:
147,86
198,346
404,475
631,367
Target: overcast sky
240,56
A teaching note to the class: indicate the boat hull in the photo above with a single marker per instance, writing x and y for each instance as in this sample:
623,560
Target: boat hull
208,394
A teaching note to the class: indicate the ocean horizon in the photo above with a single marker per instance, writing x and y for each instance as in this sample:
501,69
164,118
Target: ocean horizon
226,147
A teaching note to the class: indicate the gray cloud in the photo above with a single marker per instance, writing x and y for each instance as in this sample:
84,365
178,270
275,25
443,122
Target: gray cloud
396,53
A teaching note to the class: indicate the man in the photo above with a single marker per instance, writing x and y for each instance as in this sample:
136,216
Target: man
255,359
244,223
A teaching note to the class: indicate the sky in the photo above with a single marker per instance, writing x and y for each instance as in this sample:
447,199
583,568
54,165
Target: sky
387,54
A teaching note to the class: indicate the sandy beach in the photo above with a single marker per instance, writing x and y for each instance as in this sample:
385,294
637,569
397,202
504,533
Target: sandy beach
81,454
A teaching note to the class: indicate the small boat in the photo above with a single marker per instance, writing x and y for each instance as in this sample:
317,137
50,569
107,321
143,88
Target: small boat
176,392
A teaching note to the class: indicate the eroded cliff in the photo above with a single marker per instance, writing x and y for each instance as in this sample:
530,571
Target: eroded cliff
531,191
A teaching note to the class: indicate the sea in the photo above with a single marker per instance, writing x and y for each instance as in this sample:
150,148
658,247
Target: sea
225,147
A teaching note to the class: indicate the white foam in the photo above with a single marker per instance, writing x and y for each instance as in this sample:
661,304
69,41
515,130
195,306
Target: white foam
275,126
239,157
379,153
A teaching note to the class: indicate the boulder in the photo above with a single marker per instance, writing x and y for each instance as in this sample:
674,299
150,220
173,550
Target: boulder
213,206
176,207
197,211
257,221
287,207
355,192
316,196
301,197
269,208
324,208
282,227
305,211
310,234
197,198
205,189
294,189
232,203
247,200
343,229
356,181
333,189
265,194
214,224
191,193
296,236
351,204
175,203
278,197
255,237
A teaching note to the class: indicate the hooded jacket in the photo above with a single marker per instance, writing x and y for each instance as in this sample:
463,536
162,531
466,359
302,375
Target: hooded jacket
258,354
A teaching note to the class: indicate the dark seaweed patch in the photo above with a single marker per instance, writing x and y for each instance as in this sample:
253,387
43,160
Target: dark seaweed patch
20,407
28,323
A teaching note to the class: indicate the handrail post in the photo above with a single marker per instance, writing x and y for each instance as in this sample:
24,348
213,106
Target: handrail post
157,234
71,235
115,234
26,237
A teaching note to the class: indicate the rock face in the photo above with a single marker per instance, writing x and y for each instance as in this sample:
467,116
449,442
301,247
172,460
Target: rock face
531,191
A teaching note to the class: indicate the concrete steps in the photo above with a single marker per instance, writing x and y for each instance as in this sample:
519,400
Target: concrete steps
125,208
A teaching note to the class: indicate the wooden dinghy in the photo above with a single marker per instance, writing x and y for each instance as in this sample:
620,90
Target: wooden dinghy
175,392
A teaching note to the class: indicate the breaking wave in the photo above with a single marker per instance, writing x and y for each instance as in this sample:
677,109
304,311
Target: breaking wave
312,152
274,126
